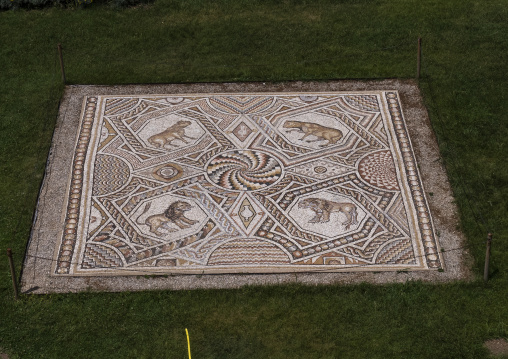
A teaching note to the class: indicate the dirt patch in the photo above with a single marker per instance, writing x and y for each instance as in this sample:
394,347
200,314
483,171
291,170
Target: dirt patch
497,347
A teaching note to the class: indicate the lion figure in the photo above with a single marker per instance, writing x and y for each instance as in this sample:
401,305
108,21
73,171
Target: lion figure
323,209
175,213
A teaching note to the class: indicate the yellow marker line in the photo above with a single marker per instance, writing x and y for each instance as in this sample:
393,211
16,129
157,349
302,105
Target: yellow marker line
188,341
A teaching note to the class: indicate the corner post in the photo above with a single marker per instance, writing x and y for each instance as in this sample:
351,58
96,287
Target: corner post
419,58
13,274
60,55
487,258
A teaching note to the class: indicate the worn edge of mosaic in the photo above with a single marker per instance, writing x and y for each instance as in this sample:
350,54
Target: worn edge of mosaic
90,114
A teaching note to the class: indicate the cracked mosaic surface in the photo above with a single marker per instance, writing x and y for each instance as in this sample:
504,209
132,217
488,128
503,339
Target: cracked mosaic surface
239,183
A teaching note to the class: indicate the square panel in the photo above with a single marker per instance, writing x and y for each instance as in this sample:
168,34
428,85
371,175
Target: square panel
244,183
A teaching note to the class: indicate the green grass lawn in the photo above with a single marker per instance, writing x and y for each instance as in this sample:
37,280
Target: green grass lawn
465,85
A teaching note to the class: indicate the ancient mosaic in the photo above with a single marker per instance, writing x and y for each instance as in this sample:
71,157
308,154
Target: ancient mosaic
244,183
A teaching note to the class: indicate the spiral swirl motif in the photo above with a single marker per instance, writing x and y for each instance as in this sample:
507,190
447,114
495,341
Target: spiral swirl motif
244,170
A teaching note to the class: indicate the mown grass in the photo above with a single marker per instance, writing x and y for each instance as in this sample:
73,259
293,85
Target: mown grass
465,89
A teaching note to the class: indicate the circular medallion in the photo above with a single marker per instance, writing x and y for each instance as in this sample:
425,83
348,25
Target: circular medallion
244,170
168,172
320,169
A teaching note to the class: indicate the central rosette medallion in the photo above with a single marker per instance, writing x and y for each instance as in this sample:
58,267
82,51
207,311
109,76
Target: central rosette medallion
244,170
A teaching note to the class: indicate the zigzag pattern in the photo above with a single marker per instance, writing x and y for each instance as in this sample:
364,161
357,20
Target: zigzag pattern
118,105
97,256
237,105
363,102
248,251
110,174
397,252
123,247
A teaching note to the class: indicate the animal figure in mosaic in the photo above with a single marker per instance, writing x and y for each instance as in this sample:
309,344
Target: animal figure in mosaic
173,132
332,135
174,214
323,209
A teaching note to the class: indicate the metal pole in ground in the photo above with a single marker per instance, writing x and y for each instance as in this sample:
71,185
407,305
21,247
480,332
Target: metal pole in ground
419,58
487,258
13,273
61,62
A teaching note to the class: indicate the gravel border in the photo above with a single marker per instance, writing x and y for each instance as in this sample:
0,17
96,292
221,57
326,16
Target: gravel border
36,277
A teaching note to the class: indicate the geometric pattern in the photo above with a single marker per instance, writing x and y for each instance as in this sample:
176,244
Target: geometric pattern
244,183
377,169
243,170
248,251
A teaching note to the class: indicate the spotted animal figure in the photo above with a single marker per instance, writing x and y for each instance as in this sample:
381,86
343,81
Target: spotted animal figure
174,214
323,209
332,135
170,134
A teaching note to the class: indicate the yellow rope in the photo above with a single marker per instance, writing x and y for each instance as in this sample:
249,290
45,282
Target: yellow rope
188,341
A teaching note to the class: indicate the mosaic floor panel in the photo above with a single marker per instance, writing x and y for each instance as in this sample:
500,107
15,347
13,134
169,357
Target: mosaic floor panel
244,183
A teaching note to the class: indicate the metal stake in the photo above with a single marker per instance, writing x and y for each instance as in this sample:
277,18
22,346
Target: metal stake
61,62
419,58
13,274
487,258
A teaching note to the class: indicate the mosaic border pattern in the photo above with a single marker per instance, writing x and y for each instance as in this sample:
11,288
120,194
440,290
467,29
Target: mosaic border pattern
273,188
